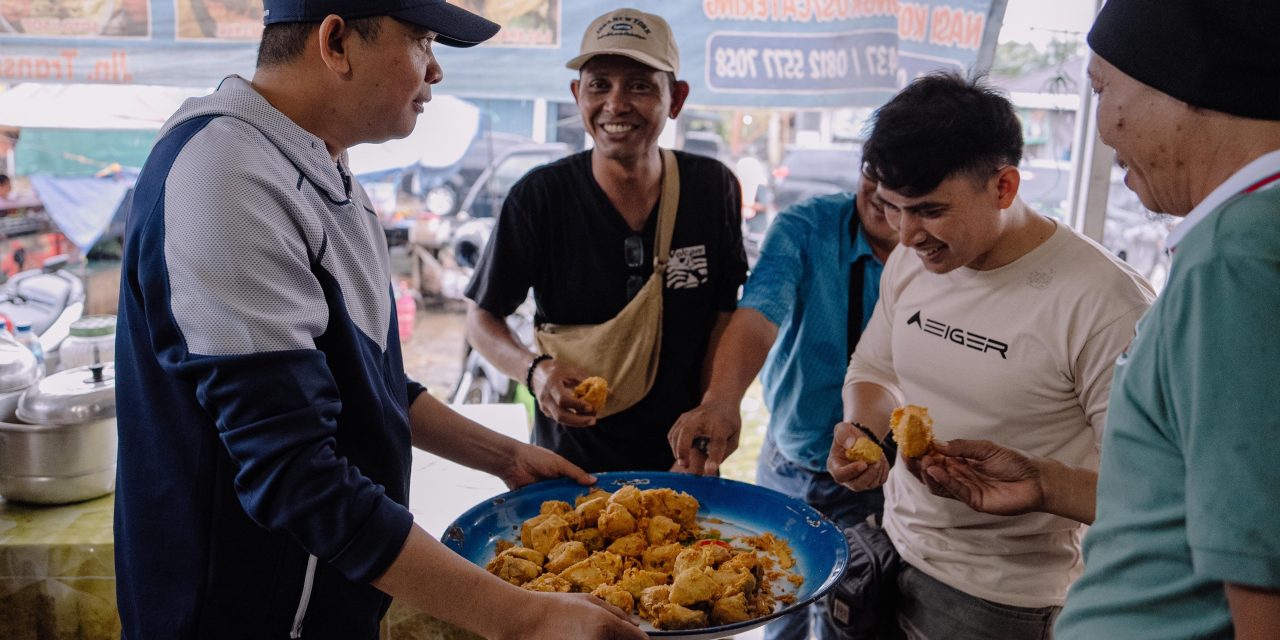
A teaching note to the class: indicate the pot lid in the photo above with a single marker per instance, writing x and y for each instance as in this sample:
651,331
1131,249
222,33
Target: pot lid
18,366
74,396
93,326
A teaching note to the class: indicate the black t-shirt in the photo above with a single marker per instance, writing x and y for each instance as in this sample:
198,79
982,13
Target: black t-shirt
559,234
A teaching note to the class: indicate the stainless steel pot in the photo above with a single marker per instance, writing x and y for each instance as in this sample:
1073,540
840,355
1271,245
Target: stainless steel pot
18,369
63,447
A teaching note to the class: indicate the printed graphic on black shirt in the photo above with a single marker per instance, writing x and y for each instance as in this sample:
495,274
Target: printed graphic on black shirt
687,268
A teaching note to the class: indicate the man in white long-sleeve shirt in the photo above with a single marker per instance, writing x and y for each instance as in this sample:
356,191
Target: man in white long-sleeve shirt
1006,324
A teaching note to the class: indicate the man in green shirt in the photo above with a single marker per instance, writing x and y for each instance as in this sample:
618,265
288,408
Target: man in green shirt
1186,538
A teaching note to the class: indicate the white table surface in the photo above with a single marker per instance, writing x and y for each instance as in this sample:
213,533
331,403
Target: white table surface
441,490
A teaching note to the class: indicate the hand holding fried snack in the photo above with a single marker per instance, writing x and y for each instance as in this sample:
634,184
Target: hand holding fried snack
864,450
593,391
912,430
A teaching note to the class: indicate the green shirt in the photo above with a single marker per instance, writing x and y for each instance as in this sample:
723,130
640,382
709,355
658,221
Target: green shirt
1189,483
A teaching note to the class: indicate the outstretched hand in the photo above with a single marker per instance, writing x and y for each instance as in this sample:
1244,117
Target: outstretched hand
984,475
533,463
579,615
553,384
703,437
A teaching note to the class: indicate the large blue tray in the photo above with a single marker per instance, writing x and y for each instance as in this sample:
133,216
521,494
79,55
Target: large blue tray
819,547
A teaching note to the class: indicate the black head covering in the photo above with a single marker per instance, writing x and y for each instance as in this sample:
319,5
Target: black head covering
1222,55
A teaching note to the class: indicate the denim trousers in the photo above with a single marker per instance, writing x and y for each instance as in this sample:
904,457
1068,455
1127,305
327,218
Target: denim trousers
931,610
843,507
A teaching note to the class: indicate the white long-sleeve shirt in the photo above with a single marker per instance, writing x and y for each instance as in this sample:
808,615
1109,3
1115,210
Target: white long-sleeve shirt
1021,355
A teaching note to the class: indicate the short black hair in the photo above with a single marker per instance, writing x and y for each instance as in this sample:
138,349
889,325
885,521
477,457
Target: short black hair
283,42
941,125
4,179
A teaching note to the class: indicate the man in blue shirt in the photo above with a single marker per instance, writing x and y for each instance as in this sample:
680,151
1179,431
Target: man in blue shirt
796,310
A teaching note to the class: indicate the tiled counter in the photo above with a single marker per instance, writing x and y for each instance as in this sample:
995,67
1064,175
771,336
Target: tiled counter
57,576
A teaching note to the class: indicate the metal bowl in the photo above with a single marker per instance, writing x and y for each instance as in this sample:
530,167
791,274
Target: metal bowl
818,546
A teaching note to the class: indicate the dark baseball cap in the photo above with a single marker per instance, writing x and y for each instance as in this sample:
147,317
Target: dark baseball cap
454,26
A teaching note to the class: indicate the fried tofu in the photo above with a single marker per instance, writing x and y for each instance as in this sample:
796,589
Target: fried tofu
600,568
662,530
680,507
616,521
912,430
630,546
515,570
631,498
590,510
693,586
550,583
544,532
591,538
593,391
654,599
661,558
565,555
864,450
674,616
616,596
636,580
730,609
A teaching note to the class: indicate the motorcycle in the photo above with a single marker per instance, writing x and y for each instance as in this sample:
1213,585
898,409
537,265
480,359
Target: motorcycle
49,299
483,383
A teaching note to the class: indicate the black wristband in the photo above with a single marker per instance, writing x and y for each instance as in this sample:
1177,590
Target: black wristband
863,428
528,377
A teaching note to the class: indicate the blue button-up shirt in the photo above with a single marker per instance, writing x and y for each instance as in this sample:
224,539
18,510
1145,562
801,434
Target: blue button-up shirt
801,284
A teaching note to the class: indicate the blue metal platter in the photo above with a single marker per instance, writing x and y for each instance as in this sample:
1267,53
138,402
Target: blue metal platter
735,508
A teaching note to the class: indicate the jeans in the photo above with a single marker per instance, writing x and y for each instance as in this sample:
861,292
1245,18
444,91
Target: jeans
928,610
843,507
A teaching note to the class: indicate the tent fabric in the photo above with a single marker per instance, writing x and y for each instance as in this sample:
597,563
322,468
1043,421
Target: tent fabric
88,106
445,129
83,208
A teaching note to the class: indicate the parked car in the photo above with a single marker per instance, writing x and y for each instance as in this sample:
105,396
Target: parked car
812,171
1133,233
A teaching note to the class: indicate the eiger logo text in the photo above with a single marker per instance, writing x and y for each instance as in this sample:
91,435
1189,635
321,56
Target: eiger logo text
959,336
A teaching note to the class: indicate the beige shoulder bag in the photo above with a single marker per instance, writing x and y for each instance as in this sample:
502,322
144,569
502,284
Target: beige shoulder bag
624,350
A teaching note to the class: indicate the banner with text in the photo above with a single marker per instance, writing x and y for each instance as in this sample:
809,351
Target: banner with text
751,53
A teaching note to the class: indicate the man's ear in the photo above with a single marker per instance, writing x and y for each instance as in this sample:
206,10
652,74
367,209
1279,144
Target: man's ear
679,93
573,88
332,38
1008,179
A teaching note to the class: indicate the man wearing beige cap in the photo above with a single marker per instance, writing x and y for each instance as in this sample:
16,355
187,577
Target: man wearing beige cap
581,233
1184,540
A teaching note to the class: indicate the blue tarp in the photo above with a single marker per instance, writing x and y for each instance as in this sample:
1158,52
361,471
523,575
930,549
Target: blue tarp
83,208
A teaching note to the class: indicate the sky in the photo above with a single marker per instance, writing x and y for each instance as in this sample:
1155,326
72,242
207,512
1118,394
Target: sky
1039,21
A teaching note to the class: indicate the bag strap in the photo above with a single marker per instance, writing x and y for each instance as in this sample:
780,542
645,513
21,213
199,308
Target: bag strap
667,205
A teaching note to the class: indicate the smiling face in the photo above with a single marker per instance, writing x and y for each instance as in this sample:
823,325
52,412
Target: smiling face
875,224
394,73
625,105
1151,133
958,224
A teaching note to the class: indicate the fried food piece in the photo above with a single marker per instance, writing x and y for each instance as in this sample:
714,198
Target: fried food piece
545,532
591,537
913,430
729,609
674,616
524,552
696,557
735,579
616,596
662,530
616,521
680,507
864,450
636,580
630,545
631,498
693,586
590,510
596,492
661,558
601,568
515,570
593,391
654,599
565,555
550,583
558,507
